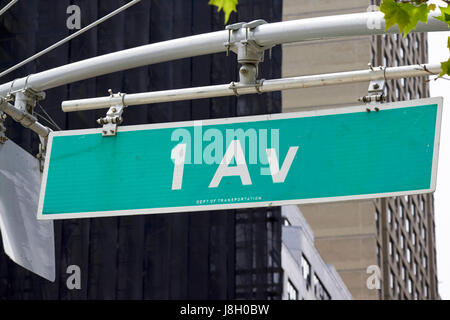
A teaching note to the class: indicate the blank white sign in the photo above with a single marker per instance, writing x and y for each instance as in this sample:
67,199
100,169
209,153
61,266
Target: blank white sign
26,240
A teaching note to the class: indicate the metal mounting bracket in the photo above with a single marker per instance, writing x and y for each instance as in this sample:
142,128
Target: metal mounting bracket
3,137
375,94
21,110
25,100
239,85
42,152
113,118
249,53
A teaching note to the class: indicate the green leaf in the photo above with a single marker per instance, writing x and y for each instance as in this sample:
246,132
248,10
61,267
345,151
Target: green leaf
448,42
445,15
445,67
404,14
393,14
419,13
226,5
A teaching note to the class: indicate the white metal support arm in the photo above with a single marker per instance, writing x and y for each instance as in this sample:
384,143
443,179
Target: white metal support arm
266,35
378,73
24,118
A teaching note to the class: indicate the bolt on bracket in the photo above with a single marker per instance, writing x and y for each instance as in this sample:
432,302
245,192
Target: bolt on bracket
375,93
113,117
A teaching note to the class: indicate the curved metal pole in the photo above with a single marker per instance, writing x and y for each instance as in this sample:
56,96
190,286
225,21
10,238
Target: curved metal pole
358,24
377,73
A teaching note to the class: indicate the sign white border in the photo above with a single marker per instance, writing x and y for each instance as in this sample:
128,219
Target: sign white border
332,111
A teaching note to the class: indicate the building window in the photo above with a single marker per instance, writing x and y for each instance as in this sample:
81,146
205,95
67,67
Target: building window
392,280
391,248
425,290
402,241
292,292
315,279
415,268
408,255
424,262
319,289
407,224
401,211
414,238
389,214
403,273
413,210
306,271
410,290
372,56
378,255
377,219
424,234
286,222
422,205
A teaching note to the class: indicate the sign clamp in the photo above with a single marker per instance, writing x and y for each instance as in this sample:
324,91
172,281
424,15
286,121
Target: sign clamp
42,151
22,111
249,55
3,137
238,85
113,117
25,100
375,91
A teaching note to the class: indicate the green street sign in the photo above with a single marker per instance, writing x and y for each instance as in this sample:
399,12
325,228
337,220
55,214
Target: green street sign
290,158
